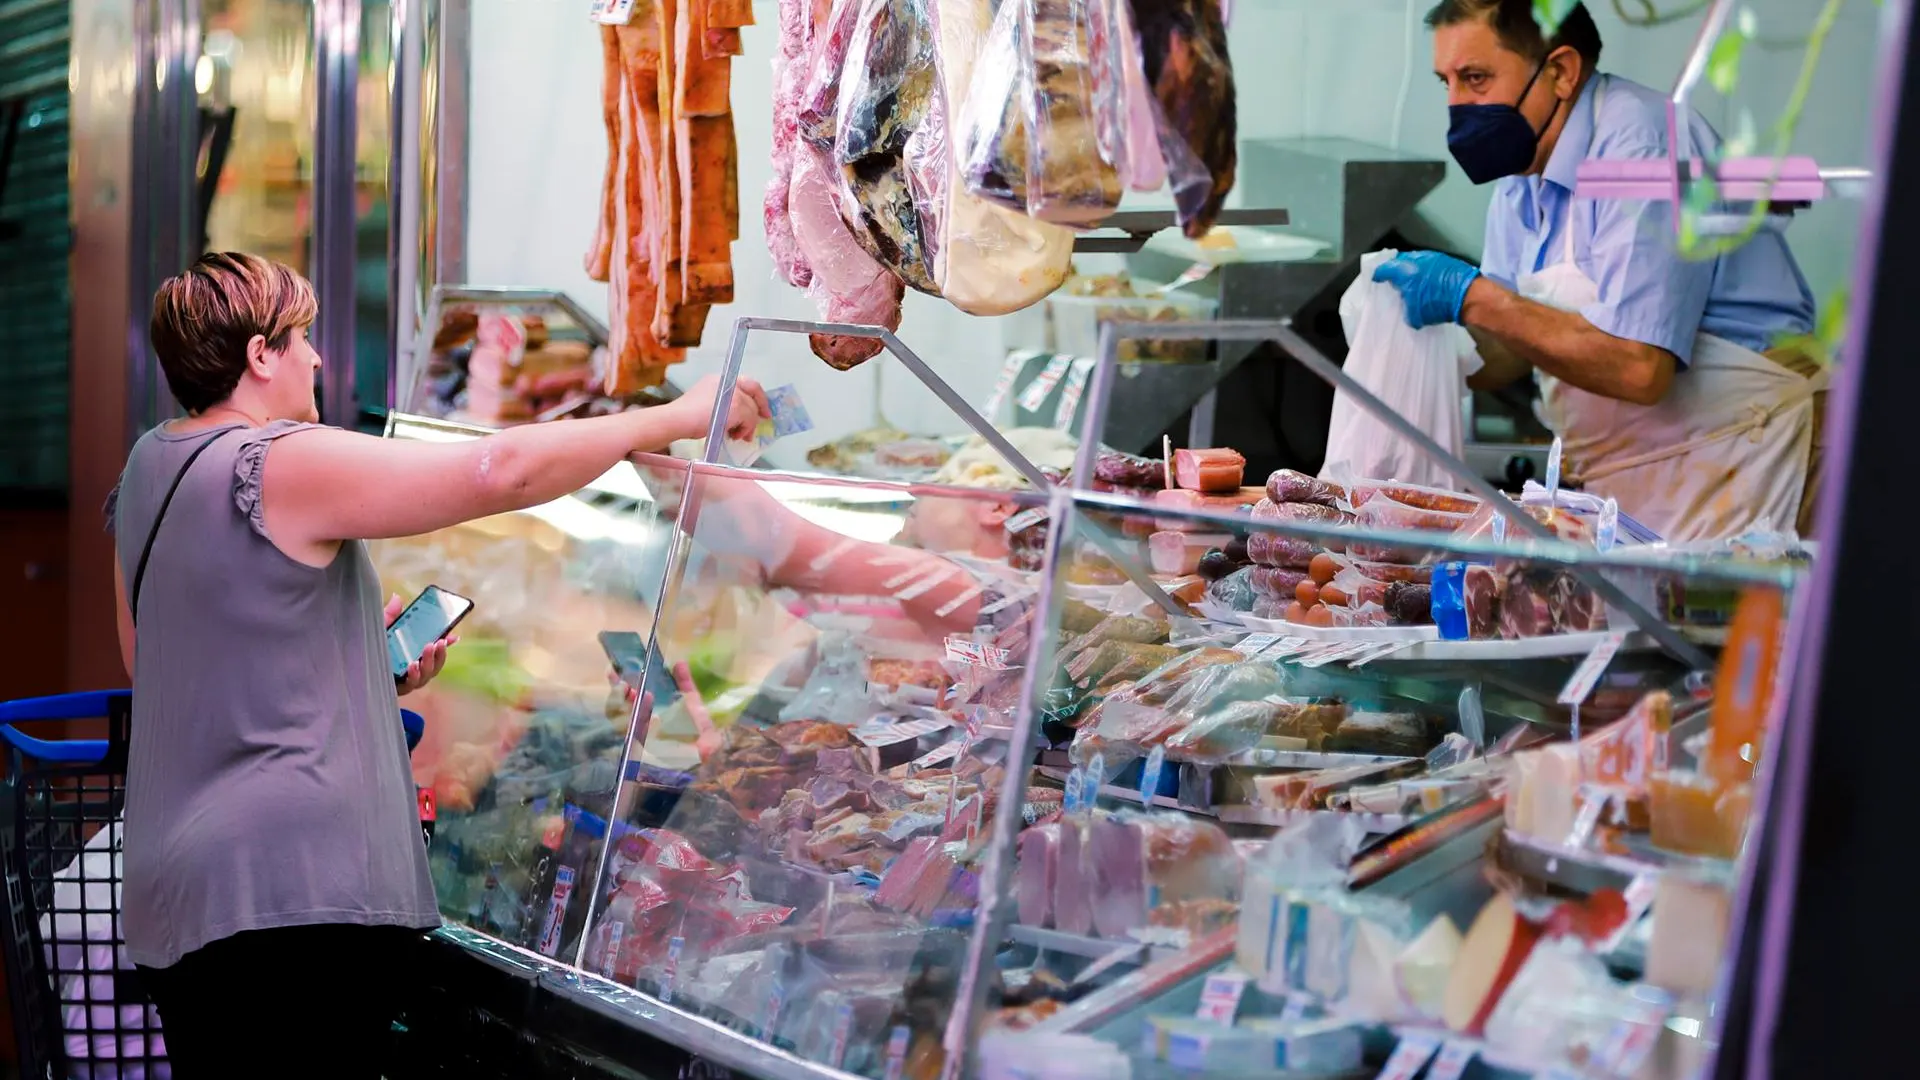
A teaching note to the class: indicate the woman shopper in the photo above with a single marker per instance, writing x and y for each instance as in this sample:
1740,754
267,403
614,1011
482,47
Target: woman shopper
273,860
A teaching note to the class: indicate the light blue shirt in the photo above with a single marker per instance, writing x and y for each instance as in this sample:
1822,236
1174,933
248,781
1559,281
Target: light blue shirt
1751,296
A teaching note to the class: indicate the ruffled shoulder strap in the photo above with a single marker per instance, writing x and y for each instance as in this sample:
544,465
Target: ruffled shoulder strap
250,464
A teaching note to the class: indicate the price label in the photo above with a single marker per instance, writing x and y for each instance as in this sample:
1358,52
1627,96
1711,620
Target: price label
887,730
1587,675
1070,802
1070,395
1592,802
1554,453
1220,997
1286,647
675,946
1035,395
1090,783
1377,651
1150,773
965,650
1473,715
1337,651
934,757
1295,1009
897,1052
1499,528
610,960
1409,1057
842,1035
1010,370
1025,519
1452,1062
611,12
1254,644
1608,529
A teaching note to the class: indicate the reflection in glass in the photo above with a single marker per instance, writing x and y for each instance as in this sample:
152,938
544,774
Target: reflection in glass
254,74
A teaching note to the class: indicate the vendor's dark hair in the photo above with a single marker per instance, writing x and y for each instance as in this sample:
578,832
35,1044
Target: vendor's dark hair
1513,21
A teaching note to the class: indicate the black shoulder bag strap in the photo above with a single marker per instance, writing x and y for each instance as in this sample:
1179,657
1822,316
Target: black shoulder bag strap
140,572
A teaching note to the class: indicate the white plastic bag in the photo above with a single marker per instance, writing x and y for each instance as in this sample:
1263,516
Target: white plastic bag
1417,373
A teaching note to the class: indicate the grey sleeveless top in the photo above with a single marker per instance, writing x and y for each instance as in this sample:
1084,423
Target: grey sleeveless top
267,782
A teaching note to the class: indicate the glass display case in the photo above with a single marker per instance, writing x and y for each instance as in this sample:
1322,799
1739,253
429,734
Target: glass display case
842,775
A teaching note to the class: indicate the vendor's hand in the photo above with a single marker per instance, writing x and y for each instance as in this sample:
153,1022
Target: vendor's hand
432,659
1432,285
693,410
709,739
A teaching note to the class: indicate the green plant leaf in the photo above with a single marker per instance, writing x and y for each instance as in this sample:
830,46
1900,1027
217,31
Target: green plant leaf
1723,63
1548,14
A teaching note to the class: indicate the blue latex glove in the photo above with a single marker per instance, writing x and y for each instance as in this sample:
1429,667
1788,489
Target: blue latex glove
1432,285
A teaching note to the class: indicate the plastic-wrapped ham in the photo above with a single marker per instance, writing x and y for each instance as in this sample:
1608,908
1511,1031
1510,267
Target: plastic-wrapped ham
789,79
1183,46
990,260
1144,861
848,284
1033,881
1213,470
887,92
1078,104
1073,883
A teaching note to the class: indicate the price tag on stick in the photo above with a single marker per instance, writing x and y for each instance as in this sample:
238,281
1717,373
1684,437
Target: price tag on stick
1409,1057
1587,675
1220,997
1452,1062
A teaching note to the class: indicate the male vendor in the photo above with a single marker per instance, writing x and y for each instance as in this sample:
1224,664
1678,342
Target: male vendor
1665,377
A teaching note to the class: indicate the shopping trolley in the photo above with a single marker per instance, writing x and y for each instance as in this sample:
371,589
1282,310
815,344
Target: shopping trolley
77,1013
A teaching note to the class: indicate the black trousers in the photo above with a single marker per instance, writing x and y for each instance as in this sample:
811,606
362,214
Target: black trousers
314,1001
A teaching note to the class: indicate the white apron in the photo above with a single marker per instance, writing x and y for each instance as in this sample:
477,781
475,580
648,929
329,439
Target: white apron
1726,451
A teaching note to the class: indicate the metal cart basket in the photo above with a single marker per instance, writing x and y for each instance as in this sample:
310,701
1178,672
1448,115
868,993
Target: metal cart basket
78,1011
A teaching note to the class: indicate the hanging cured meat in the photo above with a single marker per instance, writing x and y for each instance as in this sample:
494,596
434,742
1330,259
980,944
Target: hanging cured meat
670,206
886,93
990,260
1183,45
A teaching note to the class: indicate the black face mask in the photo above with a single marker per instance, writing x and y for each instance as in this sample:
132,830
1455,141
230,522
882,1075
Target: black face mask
1492,141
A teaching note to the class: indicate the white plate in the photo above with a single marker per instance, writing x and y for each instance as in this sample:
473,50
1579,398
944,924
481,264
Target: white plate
1251,244
1339,633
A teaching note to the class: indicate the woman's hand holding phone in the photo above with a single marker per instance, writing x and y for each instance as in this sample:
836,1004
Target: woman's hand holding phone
432,659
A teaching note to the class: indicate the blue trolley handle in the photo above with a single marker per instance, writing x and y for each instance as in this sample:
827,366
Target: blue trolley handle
88,705
97,703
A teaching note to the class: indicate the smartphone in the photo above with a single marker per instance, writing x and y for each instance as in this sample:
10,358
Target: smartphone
627,652
432,616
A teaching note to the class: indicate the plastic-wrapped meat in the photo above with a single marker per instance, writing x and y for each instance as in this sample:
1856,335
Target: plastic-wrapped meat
848,284
1072,884
1070,180
991,138
1033,881
1277,582
1575,607
1524,612
1129,470
820,94
1146,169
990,260
1210,470
1120,882
789,78
1409,604
1291,486
1183,46
887,92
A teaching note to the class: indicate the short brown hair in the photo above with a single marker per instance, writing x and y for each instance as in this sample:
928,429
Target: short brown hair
1514,24
203,319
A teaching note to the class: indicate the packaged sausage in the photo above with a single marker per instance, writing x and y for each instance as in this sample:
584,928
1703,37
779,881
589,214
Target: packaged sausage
1277,582
1273,549
1213,470
1128,471
1309,513
1363,492
1388,571
1290,486
1385,512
